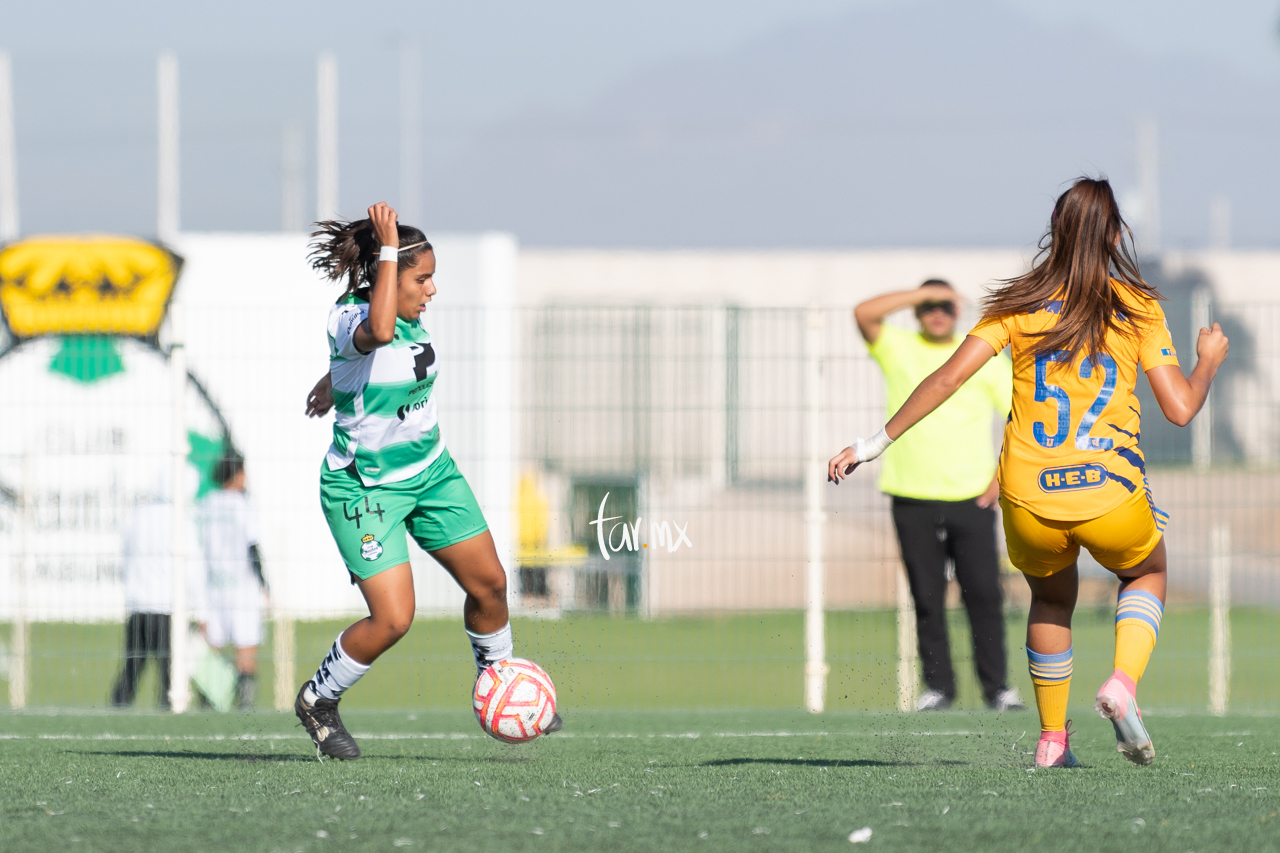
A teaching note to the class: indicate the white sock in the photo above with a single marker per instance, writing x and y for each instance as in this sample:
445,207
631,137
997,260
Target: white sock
337,672
491,648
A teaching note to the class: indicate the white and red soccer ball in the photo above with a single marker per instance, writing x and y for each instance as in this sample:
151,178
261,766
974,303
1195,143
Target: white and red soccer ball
514,700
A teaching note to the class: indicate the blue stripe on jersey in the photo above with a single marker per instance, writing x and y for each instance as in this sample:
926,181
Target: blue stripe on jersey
1135,436
1161,517
1124,481
1132,457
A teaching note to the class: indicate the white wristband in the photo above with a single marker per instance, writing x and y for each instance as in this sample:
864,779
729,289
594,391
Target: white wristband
389,253
869,448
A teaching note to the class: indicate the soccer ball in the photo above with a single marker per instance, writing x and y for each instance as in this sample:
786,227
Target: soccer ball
514,700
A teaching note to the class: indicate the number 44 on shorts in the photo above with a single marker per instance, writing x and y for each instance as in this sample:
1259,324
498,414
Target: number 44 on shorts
351,511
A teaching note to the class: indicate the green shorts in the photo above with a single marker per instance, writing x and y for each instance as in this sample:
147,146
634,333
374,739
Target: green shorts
435,507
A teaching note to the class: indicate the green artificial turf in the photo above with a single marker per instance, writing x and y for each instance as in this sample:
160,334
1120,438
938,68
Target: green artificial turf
659,781
693,662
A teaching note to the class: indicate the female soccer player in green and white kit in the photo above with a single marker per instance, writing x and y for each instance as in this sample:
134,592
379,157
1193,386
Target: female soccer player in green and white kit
387,471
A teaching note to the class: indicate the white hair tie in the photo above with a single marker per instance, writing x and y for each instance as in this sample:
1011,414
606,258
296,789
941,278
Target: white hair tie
414,246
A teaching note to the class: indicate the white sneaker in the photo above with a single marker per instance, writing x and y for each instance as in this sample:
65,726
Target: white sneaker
933,700
1008,700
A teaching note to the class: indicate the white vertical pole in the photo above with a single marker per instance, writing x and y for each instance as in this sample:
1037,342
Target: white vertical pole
717,376
8,155
645,605
815,632
179,687
1220,223
167,201
908,676
1202,426
19,639
1219,619
293,212
327,137
411,133
1149,182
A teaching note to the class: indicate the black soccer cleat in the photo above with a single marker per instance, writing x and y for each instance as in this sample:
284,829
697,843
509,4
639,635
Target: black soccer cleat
320,718
554,726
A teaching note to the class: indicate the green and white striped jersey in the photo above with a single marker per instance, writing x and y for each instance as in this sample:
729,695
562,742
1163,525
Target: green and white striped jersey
385,415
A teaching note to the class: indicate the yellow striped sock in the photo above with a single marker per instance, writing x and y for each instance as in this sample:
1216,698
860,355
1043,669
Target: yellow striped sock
1051,679
1051,702
1137,629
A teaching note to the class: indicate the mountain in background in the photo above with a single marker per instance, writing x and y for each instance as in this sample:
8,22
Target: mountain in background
905,125
929,124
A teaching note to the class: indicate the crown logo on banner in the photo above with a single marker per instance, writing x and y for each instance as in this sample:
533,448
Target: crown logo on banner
86,285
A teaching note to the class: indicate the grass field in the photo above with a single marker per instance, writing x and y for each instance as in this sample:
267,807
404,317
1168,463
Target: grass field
731,661
744,780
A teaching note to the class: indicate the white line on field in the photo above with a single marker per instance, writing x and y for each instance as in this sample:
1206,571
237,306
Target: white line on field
464,736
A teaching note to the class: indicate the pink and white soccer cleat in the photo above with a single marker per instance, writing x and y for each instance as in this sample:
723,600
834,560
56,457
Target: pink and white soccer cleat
1054,749
1116,702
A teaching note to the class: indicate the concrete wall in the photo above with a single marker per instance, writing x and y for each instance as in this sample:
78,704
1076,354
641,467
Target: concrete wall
750,278
255,317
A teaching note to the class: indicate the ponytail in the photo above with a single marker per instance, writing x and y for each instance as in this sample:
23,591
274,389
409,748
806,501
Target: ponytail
1087,245
349,250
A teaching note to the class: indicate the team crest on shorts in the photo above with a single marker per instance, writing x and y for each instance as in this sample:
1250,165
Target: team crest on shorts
370,549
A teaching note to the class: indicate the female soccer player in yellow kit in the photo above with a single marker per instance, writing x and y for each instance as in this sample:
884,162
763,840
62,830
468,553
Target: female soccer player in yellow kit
1080,324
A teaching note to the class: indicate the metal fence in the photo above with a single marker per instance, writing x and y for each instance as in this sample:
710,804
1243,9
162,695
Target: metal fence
692,430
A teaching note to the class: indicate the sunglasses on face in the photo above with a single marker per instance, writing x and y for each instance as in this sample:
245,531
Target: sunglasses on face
948,308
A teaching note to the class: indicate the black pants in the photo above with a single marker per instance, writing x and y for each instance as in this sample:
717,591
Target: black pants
929,532
145,635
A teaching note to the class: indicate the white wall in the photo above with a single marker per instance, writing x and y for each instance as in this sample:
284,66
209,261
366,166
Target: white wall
255,321
1237,276
750,278
255,317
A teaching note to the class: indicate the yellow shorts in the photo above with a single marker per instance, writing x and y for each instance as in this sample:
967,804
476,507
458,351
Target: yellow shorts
1119,540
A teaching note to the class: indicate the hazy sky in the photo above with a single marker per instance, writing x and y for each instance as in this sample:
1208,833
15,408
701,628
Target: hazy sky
85,84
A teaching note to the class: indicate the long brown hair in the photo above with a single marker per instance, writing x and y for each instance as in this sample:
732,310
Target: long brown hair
1087,244
350,250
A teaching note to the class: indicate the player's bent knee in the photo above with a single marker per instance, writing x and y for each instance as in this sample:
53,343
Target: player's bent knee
401,626
394,626
488,586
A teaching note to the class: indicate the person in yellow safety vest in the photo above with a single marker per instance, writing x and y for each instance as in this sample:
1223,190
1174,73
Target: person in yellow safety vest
941,481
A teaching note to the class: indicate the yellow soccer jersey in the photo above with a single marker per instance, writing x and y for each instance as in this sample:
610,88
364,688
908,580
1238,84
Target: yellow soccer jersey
1071,442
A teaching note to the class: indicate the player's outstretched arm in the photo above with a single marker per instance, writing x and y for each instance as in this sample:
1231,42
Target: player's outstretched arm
935,390
1180,397
379,328
320,400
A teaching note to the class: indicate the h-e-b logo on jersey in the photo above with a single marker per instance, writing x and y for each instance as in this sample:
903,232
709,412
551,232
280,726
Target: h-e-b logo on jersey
1071,478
